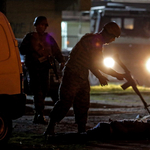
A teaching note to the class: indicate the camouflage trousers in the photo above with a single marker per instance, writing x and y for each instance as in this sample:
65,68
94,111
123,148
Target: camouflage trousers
73,91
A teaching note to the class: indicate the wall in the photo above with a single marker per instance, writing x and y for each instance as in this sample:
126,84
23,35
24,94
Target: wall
76,30
21,14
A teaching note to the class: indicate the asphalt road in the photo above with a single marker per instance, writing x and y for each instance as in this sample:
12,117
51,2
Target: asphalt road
27,135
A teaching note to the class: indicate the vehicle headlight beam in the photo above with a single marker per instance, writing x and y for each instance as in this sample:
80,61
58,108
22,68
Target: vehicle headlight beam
109,62
148,65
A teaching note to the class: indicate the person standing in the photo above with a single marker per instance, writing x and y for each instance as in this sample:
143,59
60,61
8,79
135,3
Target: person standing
40,50
75,89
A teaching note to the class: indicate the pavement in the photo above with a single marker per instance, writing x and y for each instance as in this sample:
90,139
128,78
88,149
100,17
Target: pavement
96,108
27,135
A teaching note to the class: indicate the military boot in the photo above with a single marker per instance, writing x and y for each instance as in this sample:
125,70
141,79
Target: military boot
81,128
50,129
40,119
35,118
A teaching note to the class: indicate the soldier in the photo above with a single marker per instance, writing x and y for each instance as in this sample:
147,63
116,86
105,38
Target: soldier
74,89
39,48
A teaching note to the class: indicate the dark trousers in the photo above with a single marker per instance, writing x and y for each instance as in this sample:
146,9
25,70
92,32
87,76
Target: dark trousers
39,87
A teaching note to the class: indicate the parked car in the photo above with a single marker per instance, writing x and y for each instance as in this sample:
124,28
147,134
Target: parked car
12,100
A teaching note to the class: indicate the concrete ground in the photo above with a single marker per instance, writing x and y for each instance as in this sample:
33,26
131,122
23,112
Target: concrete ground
27,135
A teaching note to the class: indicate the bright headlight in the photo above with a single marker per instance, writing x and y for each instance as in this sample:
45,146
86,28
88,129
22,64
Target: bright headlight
148,65
109,62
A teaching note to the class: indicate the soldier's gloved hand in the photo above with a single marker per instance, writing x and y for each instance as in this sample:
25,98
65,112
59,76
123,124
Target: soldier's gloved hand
120,76
103,81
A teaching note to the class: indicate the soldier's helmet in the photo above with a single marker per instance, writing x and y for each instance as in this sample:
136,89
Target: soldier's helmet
40,20
112,28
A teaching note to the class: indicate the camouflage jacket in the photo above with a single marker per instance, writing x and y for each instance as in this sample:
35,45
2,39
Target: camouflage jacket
86,55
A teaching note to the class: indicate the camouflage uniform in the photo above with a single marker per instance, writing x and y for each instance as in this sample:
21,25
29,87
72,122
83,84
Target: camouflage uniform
74,89
37,49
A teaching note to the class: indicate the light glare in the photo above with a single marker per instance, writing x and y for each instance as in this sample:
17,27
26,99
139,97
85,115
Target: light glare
148,65
109,62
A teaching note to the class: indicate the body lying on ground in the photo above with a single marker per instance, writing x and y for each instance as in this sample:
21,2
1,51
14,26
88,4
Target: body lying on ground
113,130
